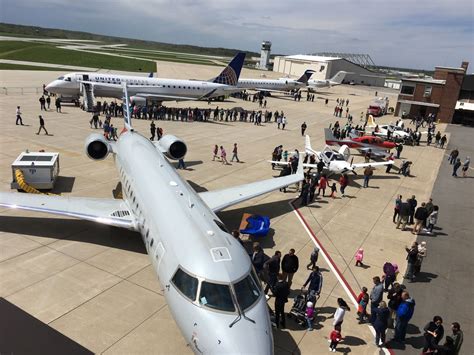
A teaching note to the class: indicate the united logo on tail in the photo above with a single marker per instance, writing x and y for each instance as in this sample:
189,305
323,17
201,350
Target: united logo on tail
230,75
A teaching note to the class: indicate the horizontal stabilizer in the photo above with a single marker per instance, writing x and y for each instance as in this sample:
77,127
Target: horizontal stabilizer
106,211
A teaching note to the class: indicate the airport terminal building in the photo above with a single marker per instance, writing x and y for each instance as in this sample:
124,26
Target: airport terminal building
437,95
326,67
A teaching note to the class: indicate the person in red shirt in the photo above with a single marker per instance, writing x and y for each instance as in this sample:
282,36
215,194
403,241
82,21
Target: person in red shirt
343,181
323,182
335,338
362,301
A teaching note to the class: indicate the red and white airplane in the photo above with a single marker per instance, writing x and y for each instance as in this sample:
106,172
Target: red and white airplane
363,143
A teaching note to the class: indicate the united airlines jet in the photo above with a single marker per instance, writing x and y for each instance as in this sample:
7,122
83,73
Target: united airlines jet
142,89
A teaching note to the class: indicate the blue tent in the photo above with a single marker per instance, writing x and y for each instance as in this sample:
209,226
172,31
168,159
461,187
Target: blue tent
257,226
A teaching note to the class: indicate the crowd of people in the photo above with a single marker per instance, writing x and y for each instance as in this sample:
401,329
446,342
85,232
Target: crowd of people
388,304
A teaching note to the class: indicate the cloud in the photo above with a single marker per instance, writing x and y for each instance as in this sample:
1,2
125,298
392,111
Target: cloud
403,33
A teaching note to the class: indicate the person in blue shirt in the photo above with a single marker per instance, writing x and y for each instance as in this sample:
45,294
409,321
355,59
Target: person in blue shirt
403,315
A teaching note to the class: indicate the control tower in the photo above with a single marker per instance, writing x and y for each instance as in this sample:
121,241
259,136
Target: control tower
265,55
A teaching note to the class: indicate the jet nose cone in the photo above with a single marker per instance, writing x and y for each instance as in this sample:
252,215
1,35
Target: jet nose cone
51,87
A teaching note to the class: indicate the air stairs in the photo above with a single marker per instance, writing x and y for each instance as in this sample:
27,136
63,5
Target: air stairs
87,91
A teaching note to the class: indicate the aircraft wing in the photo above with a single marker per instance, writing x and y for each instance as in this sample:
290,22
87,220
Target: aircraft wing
175,97
375,152
106,211
305,165
219,199
272,90
363,165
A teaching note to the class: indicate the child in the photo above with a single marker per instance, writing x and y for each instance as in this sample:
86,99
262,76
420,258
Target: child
309,315
359,257
285,155
362,301
335,338
333,190
215,151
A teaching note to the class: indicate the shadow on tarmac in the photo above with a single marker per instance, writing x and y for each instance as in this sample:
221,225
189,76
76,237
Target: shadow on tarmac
74,230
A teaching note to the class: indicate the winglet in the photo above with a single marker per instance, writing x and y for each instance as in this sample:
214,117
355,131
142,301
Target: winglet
307,145
230,75
338,78
328,135
300,169
150,75
305,77
127,118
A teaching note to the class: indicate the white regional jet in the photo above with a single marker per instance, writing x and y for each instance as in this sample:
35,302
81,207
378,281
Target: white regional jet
156,89
276,85
336,162
337,79
207,277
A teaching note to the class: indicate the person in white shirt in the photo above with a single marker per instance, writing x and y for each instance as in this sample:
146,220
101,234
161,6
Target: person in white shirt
18,116
340,312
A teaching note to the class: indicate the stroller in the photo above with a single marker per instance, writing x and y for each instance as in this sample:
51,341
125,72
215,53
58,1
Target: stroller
298,311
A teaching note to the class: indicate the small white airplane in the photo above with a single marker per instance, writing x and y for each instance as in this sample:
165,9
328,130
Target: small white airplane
207,277
337,79
397,133
335,161
142,88
276,85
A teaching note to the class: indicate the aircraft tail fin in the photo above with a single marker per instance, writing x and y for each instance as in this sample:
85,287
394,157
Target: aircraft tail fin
338,78
307,145
305,77
328,135
230,75
370,121
127,117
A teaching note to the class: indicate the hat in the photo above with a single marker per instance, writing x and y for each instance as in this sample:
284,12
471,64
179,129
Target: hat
423,243
309,304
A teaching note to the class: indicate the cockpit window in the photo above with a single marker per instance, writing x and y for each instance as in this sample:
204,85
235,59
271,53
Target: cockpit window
186,283
247,292
216,296
67,79
61,78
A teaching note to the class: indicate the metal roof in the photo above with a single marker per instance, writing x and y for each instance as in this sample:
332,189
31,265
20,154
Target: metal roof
311,58
426,80
419,103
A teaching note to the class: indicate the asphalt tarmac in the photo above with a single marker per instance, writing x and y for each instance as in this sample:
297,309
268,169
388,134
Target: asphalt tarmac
444,287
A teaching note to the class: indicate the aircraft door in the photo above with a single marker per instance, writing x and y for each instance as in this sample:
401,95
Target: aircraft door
344,150
85,77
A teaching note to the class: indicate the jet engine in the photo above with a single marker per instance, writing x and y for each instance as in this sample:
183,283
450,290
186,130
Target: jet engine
138,100
174,148
97,147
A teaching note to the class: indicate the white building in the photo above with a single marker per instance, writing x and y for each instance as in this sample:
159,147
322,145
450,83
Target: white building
325,68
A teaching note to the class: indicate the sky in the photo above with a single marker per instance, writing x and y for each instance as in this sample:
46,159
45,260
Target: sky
402,33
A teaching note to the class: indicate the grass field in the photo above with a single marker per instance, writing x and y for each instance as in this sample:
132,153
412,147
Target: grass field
166,56
48,53
38,32
6,66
